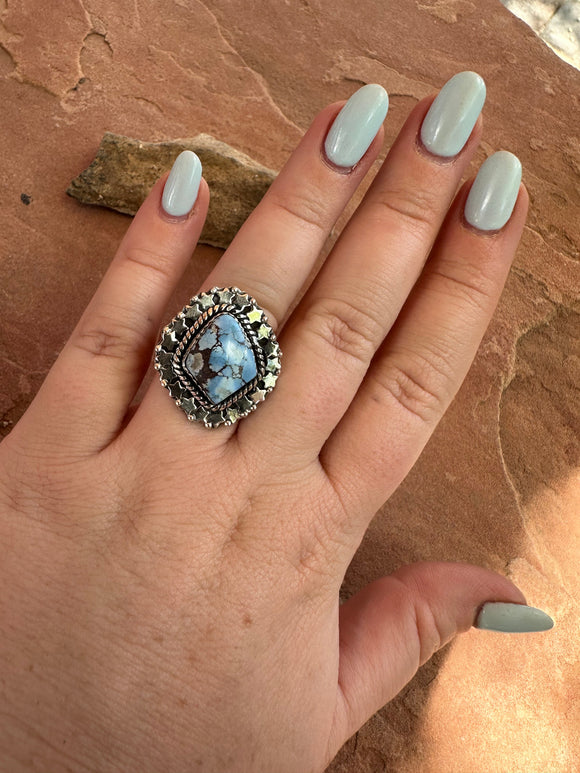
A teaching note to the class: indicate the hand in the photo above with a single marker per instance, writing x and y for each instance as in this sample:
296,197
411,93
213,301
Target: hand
171,593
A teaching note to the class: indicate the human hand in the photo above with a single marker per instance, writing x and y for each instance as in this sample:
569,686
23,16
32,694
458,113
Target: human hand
171,593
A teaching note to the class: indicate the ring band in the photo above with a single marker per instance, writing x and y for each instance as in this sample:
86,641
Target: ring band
219,357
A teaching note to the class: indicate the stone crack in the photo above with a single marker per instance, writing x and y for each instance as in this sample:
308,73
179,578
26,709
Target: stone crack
257,75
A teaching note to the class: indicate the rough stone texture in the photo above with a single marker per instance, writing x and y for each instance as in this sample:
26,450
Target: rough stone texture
125,169
557,22
562,32
498,484
536,13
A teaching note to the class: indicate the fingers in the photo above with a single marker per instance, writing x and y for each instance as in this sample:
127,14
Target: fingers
394,625
86,394
276,249
359,292
424,360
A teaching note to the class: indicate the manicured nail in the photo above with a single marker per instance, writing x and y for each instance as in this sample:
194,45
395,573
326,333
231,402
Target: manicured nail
182,185
452,116
512,618
356,126
494,192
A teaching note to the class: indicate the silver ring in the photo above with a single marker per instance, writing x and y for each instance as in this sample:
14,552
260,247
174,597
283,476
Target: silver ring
219,357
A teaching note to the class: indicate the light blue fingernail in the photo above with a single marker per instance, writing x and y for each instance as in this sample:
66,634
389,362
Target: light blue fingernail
452,116
182,185
494,192
512,618
356,126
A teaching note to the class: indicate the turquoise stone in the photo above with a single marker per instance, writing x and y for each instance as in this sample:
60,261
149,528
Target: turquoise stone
221,360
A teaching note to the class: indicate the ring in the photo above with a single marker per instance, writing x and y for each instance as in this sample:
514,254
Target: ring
219,357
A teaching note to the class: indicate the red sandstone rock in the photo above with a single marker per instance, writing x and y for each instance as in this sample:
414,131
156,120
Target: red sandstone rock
125,169
498,483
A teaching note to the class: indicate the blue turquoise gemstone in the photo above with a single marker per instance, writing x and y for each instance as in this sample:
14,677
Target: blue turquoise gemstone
221,360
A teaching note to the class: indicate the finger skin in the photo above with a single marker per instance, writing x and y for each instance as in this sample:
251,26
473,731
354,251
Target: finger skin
423,361
81,405
270,258
275,250
356,297
395,624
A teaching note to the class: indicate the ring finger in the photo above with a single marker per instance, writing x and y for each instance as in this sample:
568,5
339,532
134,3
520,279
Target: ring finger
274,252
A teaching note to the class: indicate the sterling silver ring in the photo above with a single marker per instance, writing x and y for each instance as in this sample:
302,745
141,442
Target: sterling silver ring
219,357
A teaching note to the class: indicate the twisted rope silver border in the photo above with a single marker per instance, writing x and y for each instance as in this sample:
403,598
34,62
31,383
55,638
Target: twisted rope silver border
187,325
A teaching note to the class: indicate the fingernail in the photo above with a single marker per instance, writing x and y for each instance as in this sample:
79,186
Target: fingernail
512,618
356,126
494,192
182,185
452,116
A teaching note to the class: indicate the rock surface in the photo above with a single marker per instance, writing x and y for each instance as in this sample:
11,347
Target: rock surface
499,483
557,22
125,169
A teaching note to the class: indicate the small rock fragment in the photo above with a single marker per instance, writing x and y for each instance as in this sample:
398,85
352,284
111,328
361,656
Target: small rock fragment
124,170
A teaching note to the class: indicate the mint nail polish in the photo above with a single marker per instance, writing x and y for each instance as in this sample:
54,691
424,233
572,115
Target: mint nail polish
453,113
182,185
356,126
512,618
494,192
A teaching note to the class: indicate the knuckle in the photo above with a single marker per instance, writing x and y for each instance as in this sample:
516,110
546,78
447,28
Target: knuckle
103,336
307,559
312,555
467,282
304,204
428,633
346,329
102,341
35,484
152,261
417,385
425,636
414,206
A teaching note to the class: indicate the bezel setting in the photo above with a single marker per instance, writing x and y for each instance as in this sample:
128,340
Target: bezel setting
186,328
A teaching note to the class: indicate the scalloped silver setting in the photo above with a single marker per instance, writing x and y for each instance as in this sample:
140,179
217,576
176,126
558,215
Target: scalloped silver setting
187,325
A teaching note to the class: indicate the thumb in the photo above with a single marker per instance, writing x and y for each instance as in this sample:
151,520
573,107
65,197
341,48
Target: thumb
395,624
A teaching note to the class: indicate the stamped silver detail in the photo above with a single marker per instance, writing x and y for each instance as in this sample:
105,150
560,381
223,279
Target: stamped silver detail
185,332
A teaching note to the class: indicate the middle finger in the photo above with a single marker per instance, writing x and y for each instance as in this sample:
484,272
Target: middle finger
278,245
334,333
